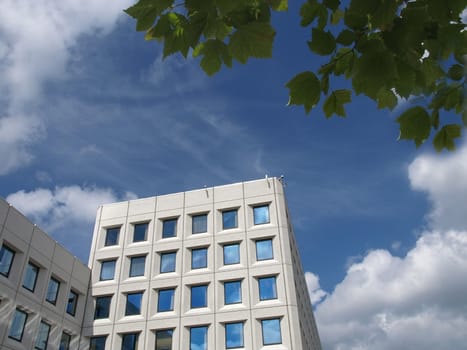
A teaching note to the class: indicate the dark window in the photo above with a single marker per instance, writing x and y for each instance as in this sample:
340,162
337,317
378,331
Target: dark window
17,325
72,303
97,343
65,341
199,258
140,232
261,214
234,335
229,219
133,303
168,261
267,288
199,223
107,270
199,296
130,341
264,249
111,236
102,307
231,254
165,300
30,277
164,339
169,228
6,260
199,338
52,290
137,266
271,330
43,336
232,292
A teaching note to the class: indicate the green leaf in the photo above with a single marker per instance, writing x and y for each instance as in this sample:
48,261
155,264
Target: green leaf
279,5
345,61
304,90
252,40
346,37
405,81
414,124
445,137
216,28
464,117
336,16
435,119
325,83
146,11
309,12
456,72
386,98
322,43
334,104
215,52
331,4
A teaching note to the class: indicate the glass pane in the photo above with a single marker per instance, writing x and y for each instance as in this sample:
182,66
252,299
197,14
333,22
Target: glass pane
164,339
30,277
137,266
271,331
107,270
199,223
261,215
72,302
140,232
6,260
102,307
232,254
199,338
98,343
133,304
234,335
52,291
232,292
168,262
169,228
264,249
229,219
42,336
166,300
65,341
130,341
267,288
199,258
199,296
17,325
111,237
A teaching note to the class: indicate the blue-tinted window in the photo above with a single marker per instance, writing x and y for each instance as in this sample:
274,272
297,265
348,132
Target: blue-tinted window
133,303
102,307
52,290
42,336
168,261
72,303
264,249
97,343
137,266
267,288
30,277
199,296
199,258
232,292
130,341
164,339
169,228
140,232
111,236
229,219
165,301
107,270
6,260
199,223
234,335
271,330
17,325
232,254
65,341
261,214
199,338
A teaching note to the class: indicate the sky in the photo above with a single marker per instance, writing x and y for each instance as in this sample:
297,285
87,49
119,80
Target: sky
91,114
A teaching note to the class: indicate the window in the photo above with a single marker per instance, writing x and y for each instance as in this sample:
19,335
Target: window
52,290
168,261
111,236
72,303
107,270
232,292
140,232
199,258
234,335
137,266
267,288
65,341
199,338
133,303
271,330
166,300
30,277
199,223
43,336
232,254
229,219
102,307
97,343
17,325
169,228
261,214
6,260
130,341
264,249
199,296
164,339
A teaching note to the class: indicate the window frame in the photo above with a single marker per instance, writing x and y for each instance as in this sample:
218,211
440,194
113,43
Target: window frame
260,206
140,293
54,300
157,331
206,338
66,336
166,254
239,282
205,303
103,263
274,287
224,255
31,268
7,249
194,217
132,273
199,249
73,302
226,327
134,342
172,304
271,252
108,242
135,231
23,325
97,309
96,340
164,234
45,341
279,328
225,212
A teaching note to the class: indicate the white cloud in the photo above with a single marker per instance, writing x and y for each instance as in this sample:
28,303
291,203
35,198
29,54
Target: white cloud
314,289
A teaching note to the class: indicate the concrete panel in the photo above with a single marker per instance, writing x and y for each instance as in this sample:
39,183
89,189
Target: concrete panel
142,206
4,207
228,192
43,243
63,259
199,197
19,224
259,187
170,201
114,210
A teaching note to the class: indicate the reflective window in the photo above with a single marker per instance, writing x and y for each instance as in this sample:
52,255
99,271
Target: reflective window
232,292
271,330
137,266
140,232
30,277
232,254
52,290
264,249
43,336
164,339
107,270
65,341
261,214
199,223
6,260
133,303
72,303
199,338
234,335
199,258
267,288
229,219
102,307
199,296
169,228
168,261
165,300
97,343
17,325
130,341
111,236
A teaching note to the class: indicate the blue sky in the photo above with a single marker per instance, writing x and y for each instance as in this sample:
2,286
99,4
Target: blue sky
89,114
